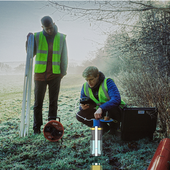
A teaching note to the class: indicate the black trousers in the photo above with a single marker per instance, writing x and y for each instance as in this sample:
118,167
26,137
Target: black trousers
114,113
39,93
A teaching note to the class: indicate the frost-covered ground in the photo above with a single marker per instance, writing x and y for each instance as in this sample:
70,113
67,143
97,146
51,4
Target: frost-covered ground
34,152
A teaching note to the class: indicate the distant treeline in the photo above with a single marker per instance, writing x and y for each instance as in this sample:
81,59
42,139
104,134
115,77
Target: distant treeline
7,69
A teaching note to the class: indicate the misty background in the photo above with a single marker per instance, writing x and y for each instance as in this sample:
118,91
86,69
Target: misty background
18,18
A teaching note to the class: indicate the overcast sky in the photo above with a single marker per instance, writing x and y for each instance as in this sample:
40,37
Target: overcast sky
18,18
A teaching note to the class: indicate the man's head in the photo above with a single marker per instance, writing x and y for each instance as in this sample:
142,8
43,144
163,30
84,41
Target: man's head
91,75
48,25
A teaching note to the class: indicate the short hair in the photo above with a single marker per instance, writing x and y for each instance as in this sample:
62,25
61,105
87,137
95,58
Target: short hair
90,71
46,21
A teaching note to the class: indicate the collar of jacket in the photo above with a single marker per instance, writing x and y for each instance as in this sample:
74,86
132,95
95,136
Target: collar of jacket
51,36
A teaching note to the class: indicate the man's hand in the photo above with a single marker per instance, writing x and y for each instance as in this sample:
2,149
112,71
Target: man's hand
29,35
98,113
84,106
27,40
61,75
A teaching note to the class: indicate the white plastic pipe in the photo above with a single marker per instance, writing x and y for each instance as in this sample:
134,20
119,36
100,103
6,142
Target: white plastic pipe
96,141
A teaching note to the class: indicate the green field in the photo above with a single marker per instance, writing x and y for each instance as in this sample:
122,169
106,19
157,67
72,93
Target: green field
35,152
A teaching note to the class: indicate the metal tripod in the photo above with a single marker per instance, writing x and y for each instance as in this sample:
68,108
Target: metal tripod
25,114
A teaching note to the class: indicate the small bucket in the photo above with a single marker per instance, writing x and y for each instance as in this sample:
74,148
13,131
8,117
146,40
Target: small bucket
53,131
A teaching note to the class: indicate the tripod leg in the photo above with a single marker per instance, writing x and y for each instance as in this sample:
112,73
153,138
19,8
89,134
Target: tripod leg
22,126
27,121
25,115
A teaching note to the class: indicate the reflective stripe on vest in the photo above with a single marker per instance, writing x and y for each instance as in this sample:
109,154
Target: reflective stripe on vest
42,52
102,94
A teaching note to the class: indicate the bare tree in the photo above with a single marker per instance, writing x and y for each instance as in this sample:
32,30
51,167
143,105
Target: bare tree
113,12
147,81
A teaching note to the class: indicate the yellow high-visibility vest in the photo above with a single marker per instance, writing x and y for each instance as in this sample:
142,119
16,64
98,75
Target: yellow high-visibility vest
102,94
42,52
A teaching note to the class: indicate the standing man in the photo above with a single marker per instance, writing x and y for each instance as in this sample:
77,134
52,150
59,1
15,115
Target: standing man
105,96
50,66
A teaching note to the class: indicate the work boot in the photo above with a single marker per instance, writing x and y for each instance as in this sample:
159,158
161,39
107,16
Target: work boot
115,132
105,128
37,130
115,129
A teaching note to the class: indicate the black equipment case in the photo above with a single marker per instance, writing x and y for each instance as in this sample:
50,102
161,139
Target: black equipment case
138,122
